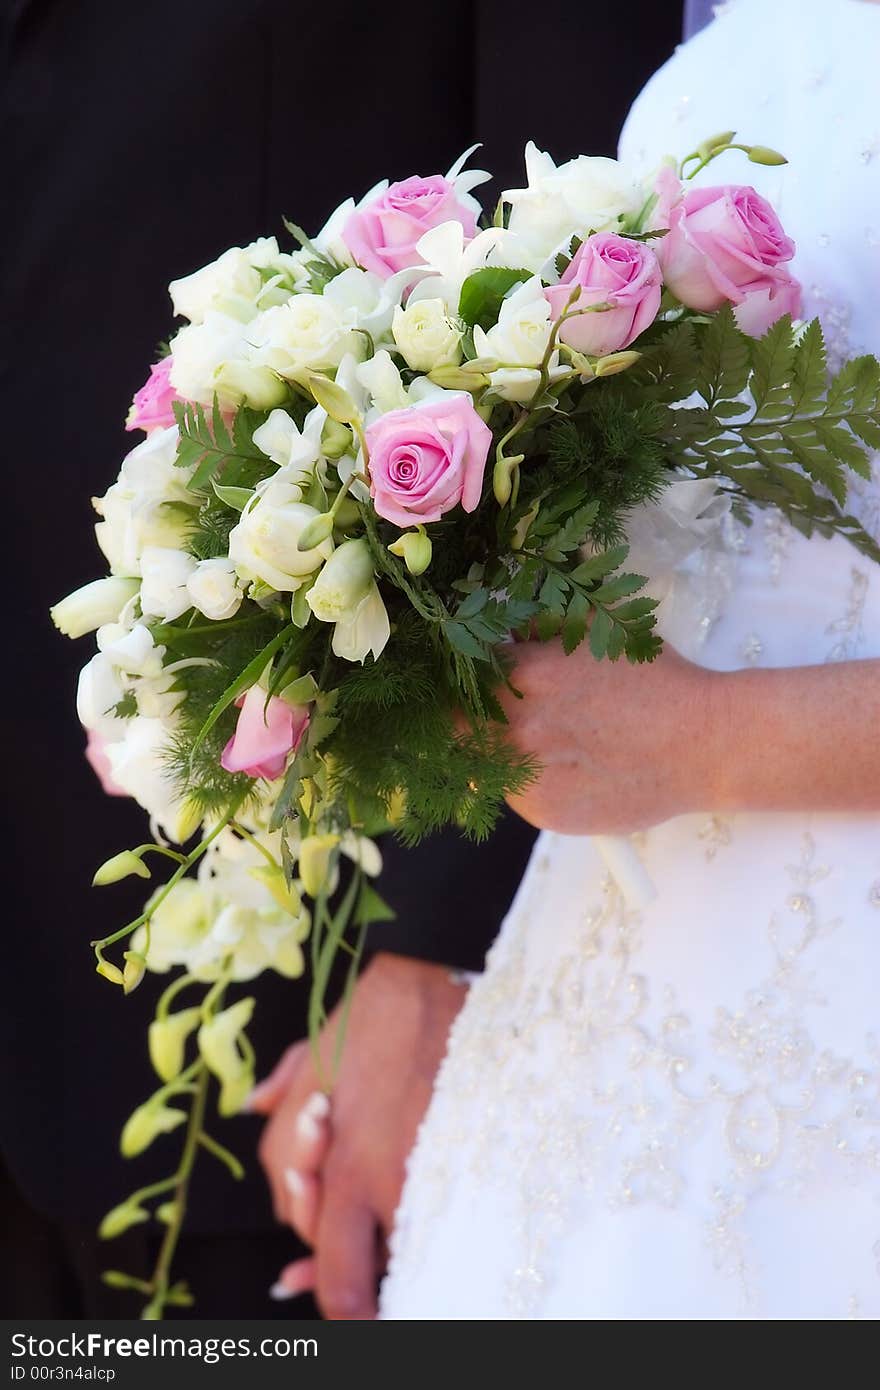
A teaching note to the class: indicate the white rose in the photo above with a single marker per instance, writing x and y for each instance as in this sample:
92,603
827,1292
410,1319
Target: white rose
518,343
311,332
213,588
233,285
263,546
215,358
426,336
92,606
165,573
585,195
134,510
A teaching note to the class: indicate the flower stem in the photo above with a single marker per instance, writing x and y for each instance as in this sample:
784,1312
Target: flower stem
162,1270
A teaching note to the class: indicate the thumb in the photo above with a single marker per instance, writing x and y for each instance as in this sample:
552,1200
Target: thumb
267,1093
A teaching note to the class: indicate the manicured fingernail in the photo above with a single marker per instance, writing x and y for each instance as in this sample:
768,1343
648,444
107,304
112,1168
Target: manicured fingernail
280,1292
293,1181
318,1105
311,1118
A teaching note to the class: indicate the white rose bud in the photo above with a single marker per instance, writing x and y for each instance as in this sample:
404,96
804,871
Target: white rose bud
215,358
164,579
213,588
265,543
425,335
230,285
93,605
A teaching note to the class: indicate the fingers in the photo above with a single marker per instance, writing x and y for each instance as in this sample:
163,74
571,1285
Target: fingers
266,1095
347,1261
294,1279
307,1154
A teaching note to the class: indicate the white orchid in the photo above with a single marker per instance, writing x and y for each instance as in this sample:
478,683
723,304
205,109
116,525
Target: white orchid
297,452
518,343
450,258
587,194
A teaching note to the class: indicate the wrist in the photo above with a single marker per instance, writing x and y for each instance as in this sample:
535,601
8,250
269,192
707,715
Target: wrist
739,731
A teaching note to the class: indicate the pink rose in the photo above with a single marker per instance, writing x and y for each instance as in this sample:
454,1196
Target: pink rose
151,407
96,757
264,736
613,270
426,459
382,235
727,244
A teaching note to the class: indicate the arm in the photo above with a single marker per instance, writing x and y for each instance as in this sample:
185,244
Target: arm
624,748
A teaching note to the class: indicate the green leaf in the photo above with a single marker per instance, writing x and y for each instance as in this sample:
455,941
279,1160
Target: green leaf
372,908
482,293
461,638
618,587
244,681
575,625
235,497
600,633
473,604
597,566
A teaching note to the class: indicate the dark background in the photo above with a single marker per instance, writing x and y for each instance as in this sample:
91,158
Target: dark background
143,140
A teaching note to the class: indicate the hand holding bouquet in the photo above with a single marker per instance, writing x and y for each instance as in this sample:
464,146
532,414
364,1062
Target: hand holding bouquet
370,462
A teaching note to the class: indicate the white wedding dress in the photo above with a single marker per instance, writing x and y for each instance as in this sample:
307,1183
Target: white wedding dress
675,1113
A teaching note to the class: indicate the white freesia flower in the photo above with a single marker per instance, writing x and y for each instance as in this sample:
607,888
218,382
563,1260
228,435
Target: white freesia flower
310,333
426,336
138,764
367,630
518,343
164,592
216,358
233,284
381,378
346,593
296,452
127,665
100,689
132,648
585,195
263,545
93,605
135,511
214,590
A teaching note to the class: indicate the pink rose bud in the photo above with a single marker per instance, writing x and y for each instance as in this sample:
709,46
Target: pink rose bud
96,757
727,245
266,733
614,270
426,459
382,235
151,407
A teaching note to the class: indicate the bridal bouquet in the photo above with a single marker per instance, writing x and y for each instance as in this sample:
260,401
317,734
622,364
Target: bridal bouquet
369,463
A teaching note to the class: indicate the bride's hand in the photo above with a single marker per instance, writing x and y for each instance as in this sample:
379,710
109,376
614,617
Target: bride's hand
624,747
620,747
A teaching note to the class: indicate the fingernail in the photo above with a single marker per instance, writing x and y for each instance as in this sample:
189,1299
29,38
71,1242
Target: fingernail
293,1181
312,1117
318,1105
280,1292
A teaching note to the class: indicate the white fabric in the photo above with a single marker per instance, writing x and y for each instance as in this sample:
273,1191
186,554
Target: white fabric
676,1114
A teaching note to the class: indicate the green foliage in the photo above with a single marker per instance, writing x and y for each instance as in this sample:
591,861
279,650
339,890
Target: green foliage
772,427
215,451
483,292
194,757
